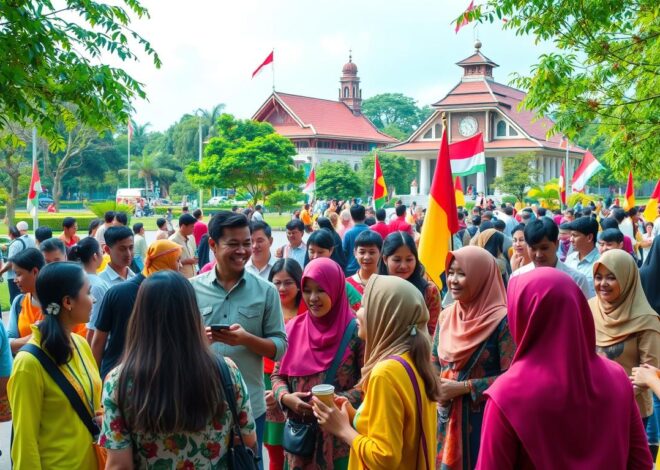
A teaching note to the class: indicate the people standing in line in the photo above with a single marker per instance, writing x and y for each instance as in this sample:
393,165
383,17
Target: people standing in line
584,235
200,228
158,405
20,241
184,238
53,250
314,340
348,245
108,221
285,275
396,423
140,246
367,251
296,248
627,327
399,258
381,226
559,405
399,224
542,238
338,252
520,256
162,233
247,306
69,229
41,234
47,432
650,273
261,262
472,347
115,311
88,252
119,246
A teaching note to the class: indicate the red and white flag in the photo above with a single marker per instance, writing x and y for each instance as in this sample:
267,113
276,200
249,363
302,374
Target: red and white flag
465,19
129,127
562,183
467,156
35,189
310,186
269,60
589,167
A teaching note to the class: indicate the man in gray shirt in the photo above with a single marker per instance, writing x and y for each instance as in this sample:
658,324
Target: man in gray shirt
241,311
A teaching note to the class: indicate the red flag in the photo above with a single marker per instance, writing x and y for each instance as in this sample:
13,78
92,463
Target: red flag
269,60
562,183
310,186
651,211
629,203
35,189
465,17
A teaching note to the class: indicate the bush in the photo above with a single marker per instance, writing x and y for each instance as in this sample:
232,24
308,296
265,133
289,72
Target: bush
54,221
509,199
100,208
280,200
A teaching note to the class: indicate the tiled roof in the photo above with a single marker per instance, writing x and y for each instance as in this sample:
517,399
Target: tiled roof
427,145
477,58
321,117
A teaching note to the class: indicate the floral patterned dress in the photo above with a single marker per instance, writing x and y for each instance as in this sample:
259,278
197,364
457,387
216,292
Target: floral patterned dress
205,449
466,413
329,449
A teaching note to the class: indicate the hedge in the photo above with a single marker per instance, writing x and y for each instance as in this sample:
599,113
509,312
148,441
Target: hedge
54,221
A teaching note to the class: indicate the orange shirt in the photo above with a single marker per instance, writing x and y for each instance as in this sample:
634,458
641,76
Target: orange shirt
306,217
31,314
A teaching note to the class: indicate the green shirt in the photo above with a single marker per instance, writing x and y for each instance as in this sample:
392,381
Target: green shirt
254,304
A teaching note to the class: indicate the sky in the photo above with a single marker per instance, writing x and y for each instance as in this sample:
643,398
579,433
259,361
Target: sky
210,48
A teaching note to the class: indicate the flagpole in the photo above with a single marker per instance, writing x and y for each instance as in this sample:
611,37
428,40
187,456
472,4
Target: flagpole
272,68
201,190
128,133
566,185
35,214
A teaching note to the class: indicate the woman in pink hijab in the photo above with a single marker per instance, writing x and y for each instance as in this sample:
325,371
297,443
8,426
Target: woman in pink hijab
559,405
314,340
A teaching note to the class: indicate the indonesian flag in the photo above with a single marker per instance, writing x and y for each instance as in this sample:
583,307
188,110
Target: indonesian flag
310,186
458,191
380,188
35,189
467,156
441,219
629,203
589,167
651,211
465,20
269,60
562,183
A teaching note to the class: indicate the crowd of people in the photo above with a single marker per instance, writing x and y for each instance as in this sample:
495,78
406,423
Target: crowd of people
335,350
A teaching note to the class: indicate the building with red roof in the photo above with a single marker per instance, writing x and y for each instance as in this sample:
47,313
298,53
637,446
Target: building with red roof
325,130
480,104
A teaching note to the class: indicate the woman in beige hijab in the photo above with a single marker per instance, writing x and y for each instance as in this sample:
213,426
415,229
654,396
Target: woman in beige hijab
398,381
627,327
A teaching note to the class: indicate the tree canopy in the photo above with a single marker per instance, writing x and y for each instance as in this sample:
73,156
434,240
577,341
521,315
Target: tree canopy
394,113
337,180
519,175
398,171
605,70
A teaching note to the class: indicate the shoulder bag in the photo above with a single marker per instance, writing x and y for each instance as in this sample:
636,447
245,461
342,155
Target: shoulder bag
300,438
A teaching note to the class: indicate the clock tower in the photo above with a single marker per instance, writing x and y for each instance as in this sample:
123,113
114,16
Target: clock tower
349,92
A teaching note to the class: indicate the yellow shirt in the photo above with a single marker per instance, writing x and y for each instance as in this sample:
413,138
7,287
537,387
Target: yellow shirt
104,263
48,433
388,422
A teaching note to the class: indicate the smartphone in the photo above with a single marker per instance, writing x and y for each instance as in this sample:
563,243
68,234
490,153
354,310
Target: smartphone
219,326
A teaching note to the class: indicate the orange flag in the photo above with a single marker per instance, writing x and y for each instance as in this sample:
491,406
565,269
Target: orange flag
629,203
458,191
651,211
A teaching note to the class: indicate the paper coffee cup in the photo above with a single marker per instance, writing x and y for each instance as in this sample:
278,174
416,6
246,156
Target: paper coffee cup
325,393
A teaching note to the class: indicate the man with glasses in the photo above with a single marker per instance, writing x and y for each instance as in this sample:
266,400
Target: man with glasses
241,311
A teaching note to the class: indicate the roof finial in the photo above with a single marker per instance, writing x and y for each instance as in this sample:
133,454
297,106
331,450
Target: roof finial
477,45
350,55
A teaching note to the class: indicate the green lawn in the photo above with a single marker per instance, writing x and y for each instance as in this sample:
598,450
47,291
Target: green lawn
4,296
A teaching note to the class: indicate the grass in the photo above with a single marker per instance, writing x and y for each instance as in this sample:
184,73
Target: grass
4,296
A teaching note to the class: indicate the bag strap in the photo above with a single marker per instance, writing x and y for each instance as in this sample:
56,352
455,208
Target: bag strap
418,397
230,396
60,379
334,367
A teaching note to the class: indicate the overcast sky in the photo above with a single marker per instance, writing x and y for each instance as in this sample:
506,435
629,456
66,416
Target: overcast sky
210,48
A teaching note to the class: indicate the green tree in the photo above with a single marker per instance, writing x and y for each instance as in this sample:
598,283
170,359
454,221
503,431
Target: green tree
547,194
519,175
337,180
282,199
209,118
149,168
52,68
396,112
246,155
15,166
604,70
398,171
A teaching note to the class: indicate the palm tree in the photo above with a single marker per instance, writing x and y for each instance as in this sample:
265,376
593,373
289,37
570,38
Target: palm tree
139,139
547,195
209,118
149,168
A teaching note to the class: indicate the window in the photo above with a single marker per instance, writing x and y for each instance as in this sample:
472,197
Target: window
345,92
354,93
342,145
501,129
303,144
438,131
324,144
512,132
428,134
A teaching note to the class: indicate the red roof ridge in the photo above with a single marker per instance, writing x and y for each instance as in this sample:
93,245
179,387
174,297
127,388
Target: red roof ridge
310,97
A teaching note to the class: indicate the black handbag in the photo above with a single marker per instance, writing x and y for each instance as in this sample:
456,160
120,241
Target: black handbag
239,456
300,438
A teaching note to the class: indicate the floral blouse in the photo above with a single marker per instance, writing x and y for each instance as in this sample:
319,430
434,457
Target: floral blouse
328,448
434,304
181,451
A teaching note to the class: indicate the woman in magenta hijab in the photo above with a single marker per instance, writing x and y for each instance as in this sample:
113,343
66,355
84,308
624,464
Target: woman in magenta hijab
559,405
314,340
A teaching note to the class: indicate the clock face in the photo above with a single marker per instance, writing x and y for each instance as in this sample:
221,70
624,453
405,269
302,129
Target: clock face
468,126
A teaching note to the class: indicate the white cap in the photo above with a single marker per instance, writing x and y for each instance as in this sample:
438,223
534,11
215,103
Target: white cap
22,226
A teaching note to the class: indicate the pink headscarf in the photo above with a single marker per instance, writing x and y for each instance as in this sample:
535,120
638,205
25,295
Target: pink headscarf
569,407
313,342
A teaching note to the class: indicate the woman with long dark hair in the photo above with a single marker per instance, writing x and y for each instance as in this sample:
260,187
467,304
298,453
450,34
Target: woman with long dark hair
35,398
400,258
339,255
164,402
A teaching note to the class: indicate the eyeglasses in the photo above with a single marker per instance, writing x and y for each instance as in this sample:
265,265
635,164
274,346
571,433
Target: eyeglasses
285,284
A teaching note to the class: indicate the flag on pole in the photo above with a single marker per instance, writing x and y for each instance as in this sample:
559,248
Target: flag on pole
562,183
380,188
441,220
35,189
589,167
465,20
629,203
269,60
467,156
310,186
130,129
651,211
458,190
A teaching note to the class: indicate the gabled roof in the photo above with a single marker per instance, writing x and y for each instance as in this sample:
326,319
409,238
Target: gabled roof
321,118
477,59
